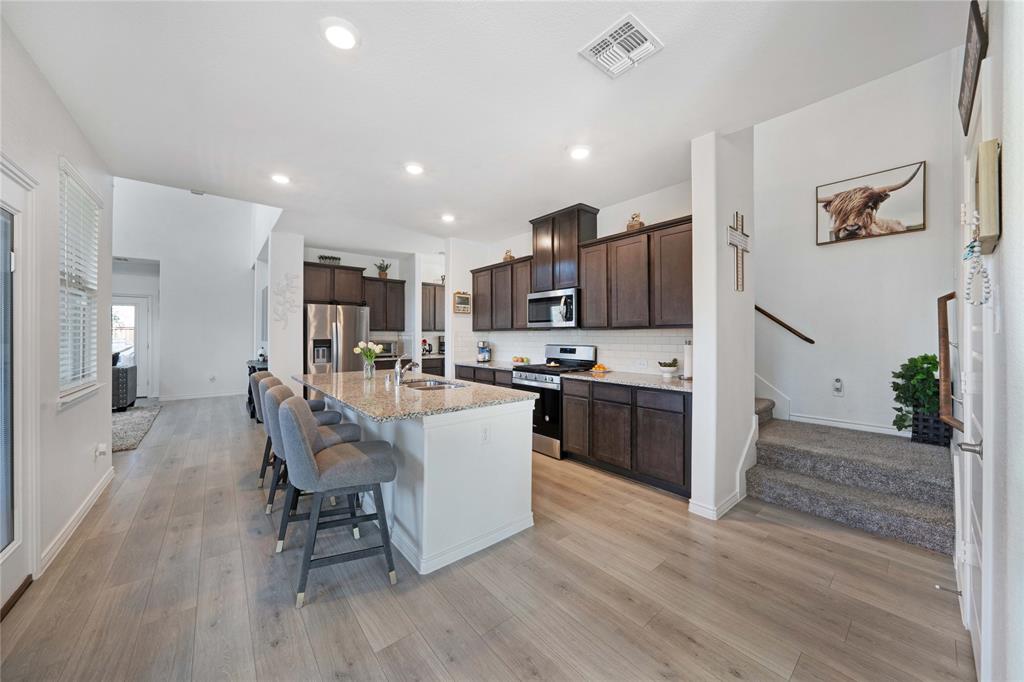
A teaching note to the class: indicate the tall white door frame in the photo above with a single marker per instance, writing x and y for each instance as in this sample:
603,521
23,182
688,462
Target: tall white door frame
21,557
143,340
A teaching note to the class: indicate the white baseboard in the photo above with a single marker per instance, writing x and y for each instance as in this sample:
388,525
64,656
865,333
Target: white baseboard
718,511
54,548
846,424
194,396
424,565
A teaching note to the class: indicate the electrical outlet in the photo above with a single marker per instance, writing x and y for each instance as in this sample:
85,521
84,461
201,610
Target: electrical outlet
213,378
100,451
837,387
641,364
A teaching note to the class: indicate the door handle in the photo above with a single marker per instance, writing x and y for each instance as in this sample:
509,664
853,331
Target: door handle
973,448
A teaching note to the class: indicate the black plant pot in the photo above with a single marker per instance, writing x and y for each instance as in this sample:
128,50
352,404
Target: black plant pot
928,428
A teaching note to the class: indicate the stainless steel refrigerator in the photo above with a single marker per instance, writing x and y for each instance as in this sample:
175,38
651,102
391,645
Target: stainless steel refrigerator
332,331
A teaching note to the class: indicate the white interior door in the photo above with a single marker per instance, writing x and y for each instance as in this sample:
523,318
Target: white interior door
130,333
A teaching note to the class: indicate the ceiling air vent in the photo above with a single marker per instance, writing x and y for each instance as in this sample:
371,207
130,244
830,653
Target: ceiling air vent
621,46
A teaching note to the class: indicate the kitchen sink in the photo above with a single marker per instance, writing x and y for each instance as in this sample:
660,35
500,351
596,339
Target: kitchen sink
429,385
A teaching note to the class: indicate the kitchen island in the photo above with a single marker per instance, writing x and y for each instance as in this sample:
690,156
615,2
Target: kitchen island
464,459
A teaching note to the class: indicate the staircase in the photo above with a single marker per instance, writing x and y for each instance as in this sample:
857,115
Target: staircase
883,484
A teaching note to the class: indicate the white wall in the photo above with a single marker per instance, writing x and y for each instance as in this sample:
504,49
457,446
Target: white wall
654,207
203,245
142,278
284,327
36,131
724,428
869,305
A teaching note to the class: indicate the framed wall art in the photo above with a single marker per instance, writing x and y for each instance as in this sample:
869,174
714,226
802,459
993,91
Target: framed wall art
874,205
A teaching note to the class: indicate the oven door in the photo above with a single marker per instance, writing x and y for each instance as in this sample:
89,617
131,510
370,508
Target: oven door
547,419
551,309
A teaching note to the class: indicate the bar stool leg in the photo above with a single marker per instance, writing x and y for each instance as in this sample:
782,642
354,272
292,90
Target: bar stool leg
290,500
352,512
307,556
266,462
274,481
385,536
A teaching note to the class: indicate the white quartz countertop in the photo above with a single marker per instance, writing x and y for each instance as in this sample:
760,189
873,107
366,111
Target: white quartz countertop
634,379
382,401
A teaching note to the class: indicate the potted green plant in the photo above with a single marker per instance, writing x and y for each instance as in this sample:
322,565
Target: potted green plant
382,268
669,368
917,396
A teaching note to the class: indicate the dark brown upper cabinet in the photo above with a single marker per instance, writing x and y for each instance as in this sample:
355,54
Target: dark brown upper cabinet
376,295
323,283
521,281
672,276
395,317
501,297
628,293
594,286
348,285
439,307
482,300
432,296
556,238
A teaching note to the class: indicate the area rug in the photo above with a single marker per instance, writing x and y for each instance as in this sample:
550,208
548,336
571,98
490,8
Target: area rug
128,428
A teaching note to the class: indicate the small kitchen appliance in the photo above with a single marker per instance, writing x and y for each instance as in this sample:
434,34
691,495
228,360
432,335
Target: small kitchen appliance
546,381
483,351
552,309
440,345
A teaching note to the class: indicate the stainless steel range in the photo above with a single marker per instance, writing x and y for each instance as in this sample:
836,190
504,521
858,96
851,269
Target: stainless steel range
546,381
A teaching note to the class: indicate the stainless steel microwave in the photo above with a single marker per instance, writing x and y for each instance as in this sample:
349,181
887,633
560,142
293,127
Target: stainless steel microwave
551,309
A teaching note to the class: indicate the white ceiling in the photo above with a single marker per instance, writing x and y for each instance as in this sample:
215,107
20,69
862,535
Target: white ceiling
487,95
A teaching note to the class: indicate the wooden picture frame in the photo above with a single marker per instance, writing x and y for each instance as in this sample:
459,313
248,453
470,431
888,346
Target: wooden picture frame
975,47
849,201
462,303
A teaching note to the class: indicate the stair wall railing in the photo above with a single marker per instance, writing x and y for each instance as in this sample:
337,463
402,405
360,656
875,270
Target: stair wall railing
795,332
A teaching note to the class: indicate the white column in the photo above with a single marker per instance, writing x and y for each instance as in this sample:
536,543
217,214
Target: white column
284,304
724,427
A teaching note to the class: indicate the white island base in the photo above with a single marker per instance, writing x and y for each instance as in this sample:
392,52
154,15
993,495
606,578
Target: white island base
464,480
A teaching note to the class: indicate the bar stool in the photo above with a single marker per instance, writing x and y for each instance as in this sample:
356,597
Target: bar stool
324,416
341,432
334,470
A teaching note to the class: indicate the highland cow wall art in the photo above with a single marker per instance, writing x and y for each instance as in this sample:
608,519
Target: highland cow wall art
875,205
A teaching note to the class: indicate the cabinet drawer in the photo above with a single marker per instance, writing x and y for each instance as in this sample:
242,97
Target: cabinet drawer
613,393
670,401
502,377
464,373
484,376
577,388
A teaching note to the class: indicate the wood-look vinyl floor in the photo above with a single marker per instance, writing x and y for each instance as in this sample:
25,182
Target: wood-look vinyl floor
172,575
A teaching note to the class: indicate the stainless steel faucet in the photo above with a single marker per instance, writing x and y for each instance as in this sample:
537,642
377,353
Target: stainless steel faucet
399,369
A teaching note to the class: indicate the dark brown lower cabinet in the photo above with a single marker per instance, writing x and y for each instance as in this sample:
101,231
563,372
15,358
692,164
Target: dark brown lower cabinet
660,445
434,366
576,425
611,433
466,373
484,375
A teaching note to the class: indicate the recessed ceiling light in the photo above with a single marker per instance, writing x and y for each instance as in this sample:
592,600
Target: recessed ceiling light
448,217
413,168
579,152
280,179
339,33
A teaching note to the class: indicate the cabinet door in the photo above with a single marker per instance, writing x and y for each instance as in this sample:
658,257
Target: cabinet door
439,308
521,274
661,445
594,286
434,367
543,255
483,376
502,377
427,302
672,276
628,300
501,297
576,425
377,299
566,250
611,433
395,306
482,300
466,373
316,283
348,286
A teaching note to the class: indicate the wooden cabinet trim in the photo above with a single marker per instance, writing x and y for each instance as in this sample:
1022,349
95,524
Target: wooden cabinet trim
668,401
576,388
616,393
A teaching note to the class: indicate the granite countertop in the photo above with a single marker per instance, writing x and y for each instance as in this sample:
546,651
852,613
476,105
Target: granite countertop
385,403
494,364
635,379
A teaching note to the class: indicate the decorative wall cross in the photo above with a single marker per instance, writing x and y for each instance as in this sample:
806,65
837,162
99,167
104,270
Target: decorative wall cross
739,240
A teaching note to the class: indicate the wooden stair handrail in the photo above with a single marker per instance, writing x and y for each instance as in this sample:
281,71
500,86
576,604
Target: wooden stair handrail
788,328
945,379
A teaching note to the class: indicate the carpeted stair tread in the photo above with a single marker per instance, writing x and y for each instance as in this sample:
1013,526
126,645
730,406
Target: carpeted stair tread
926,525
873,461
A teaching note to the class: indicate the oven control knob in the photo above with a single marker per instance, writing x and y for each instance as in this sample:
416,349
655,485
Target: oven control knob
547,418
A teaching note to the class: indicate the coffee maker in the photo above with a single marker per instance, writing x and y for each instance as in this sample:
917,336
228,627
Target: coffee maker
440,345
483,351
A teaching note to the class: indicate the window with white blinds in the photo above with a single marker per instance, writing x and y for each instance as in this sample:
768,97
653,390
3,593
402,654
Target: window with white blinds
79,255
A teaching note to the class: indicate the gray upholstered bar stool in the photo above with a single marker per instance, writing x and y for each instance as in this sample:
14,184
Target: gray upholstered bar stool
341,432
324,417
334,470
